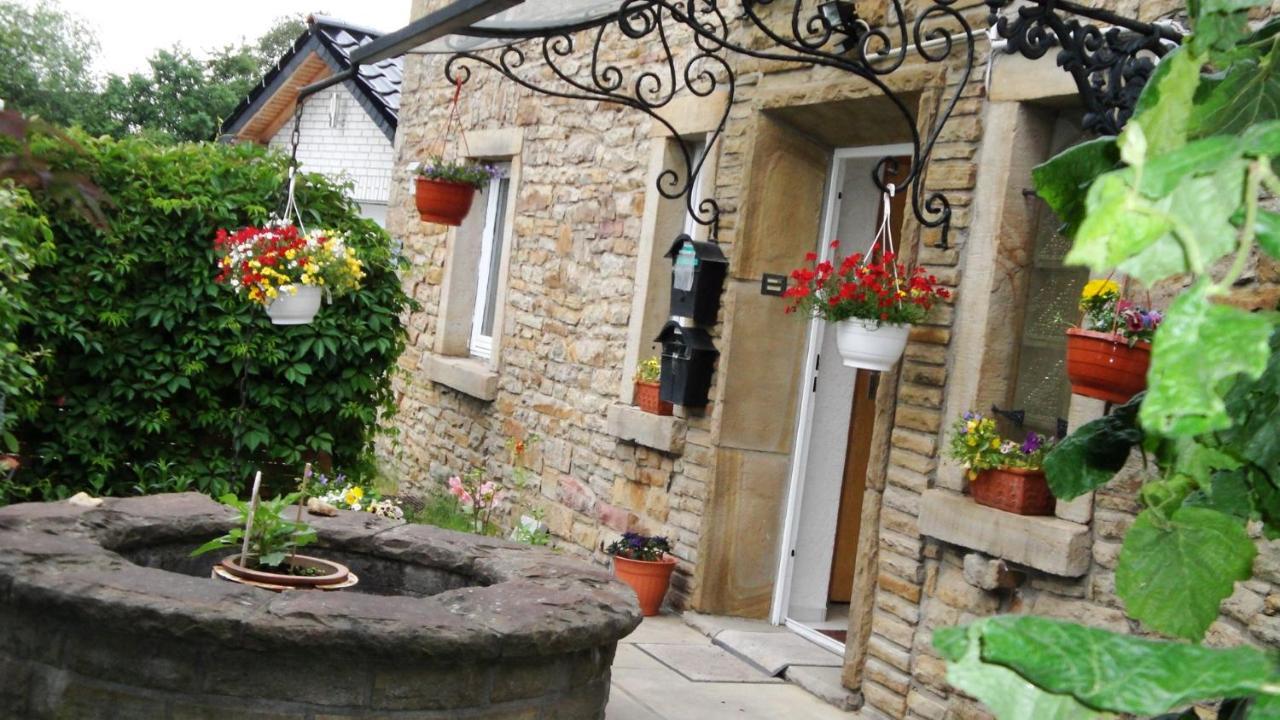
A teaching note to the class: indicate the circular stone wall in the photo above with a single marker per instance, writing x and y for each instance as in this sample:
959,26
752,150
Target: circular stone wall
103,614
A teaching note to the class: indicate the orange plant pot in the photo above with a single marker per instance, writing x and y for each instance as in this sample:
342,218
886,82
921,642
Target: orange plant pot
441,202
1103,366
647,398
648,579
1015,490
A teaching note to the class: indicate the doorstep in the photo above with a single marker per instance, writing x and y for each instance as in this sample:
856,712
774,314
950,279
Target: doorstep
778,652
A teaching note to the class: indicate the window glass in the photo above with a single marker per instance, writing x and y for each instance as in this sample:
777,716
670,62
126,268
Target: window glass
496,197
697,148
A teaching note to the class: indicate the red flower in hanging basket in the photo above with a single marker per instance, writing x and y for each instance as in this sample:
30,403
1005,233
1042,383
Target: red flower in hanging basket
878,290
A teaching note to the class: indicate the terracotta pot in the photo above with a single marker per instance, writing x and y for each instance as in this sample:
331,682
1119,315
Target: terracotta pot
334,573
1015,490
296,305
647,398
648,579
870,345
1103,366
442,202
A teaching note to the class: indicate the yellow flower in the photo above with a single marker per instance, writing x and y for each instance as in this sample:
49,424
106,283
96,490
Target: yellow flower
971,441
971,425
995,442
1095,288
353,495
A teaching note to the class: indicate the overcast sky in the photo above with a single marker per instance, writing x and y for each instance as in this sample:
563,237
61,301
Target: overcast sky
130,30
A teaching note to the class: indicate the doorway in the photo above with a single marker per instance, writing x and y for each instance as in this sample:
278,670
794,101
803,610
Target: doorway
835,426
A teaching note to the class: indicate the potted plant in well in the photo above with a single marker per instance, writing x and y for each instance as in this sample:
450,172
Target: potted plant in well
285,270
268,545
443,191
872,300
642,562
1002,474
1108,357
648,387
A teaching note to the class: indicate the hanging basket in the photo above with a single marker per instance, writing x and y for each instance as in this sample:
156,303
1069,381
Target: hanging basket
1015,490
296,305
1103,366
870,345
442,202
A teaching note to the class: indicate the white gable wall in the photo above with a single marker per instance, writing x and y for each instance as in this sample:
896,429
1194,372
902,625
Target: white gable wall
341,141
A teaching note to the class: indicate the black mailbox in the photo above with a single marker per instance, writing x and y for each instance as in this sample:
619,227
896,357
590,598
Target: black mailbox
688,359
697,276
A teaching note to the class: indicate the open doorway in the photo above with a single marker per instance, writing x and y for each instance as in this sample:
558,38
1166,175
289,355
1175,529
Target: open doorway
835,425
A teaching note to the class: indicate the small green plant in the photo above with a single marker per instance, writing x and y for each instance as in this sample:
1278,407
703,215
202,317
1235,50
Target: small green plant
530,530
466,173
442,510
634,546
272,537
978,446
649,370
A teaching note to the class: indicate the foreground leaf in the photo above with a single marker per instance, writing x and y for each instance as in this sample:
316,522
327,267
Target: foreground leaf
1173,574
1161,110
1199,345
1064,180
1121,673
1089,457
1246,94
1113,231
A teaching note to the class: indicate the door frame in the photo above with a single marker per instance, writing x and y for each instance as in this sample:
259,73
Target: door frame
800,445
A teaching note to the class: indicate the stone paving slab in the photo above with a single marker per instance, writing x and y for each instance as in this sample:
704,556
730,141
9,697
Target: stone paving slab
706,663
773,652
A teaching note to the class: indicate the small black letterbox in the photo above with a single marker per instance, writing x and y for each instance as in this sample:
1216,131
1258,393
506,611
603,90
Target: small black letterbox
697,276
688,359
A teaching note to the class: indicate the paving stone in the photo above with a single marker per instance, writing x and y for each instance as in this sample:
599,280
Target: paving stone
775,651
706,663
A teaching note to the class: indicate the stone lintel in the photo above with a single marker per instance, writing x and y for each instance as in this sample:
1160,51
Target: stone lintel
1054,545
464,374
660,432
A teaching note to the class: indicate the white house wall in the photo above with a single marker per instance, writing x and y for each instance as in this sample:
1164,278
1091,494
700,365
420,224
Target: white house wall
340,140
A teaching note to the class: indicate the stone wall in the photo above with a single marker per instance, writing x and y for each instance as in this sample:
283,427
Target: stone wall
720,497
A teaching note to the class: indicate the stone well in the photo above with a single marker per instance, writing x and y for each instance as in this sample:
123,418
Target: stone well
103,614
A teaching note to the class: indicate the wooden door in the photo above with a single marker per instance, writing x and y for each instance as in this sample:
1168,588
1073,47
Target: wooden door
861,427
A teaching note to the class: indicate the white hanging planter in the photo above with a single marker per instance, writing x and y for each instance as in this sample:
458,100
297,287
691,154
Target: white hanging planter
870,345
295,305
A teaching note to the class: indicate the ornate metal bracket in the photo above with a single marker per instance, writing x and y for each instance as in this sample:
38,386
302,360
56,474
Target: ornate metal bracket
797,31
1109,67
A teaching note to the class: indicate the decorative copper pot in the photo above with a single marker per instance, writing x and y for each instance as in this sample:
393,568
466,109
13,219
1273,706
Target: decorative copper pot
443,202
1103,366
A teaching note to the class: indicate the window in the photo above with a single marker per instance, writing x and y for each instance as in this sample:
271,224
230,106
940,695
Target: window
697,148
488,280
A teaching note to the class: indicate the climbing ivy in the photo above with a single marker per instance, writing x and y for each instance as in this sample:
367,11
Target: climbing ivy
1178,193
154,378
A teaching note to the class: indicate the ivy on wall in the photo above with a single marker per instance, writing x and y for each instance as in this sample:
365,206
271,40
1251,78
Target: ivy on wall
154,378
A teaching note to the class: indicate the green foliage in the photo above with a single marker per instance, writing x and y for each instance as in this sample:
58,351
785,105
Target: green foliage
272,537
1089,457
443,510
977,445
25,243
649,370
1082,672
46,55
146,357
467,173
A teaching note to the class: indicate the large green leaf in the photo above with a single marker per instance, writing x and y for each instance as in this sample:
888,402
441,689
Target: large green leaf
1006,693
1199,345
1202,207
1246,94
1063,180
1161,175
1267,229
1121,673
1173,573
1161,110
1112,230
1089,457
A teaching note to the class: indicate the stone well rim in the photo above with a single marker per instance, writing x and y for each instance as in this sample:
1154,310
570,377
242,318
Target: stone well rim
66,559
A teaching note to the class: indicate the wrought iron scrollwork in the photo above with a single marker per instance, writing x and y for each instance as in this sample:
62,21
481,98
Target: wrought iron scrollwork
797,31
1110,67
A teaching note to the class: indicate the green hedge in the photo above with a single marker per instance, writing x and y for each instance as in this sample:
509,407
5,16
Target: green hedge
154,377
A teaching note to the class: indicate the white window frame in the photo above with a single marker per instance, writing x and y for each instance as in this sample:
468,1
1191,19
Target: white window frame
481,345
697,147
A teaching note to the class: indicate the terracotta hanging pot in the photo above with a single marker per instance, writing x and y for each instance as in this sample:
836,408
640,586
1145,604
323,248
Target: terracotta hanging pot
648,579
648,400
870,345
326,574
1103,366
295,305
1015,490
443,202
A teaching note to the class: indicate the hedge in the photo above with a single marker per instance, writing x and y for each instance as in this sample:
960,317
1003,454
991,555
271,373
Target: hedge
154,378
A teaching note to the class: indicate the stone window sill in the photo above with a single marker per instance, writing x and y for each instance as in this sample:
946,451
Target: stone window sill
665,433
1056,546
465,374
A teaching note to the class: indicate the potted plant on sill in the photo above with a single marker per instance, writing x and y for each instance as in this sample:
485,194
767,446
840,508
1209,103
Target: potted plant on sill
648,388
642,562
872,301
268,545
285,270
1002,474
1108,357
443,191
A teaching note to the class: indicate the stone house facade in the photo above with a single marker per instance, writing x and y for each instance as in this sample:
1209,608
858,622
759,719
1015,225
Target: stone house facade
581,290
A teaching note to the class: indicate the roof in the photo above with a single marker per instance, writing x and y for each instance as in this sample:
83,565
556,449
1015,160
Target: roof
376,86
